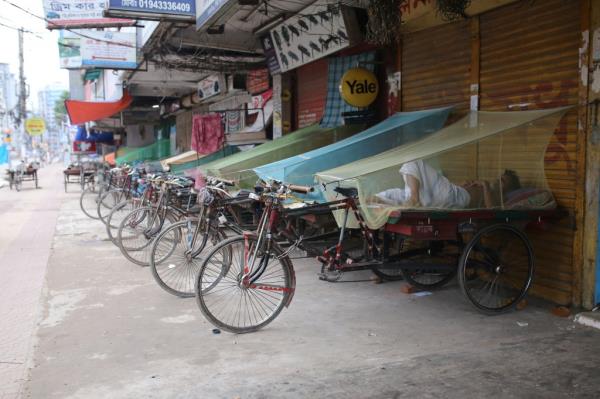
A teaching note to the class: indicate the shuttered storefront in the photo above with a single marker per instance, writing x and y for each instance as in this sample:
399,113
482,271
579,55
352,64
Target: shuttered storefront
529,60
436,68
311,92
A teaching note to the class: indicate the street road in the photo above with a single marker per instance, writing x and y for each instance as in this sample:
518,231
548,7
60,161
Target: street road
27,223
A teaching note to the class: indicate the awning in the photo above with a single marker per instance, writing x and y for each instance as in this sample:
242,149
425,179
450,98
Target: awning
110,158
181,158
87,111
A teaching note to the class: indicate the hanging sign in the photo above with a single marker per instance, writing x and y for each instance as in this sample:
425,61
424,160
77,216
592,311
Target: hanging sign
210,86
257,81
35,126
69,50
323,28
270,54
207,11
108,50
79,13
87,147
359,87
153,9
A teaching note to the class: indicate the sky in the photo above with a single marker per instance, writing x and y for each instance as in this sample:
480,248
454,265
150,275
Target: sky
41,54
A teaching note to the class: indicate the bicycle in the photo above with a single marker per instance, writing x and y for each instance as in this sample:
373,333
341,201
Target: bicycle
139,228
246,281
175,258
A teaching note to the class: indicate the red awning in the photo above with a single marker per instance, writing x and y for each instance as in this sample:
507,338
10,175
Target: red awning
86,111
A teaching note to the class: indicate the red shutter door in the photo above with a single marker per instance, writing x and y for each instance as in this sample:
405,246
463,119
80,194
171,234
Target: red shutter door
311,89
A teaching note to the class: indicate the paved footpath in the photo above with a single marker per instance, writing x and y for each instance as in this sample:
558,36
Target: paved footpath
27,224
108,331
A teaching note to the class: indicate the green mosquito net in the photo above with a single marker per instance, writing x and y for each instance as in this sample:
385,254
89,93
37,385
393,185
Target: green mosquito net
485,160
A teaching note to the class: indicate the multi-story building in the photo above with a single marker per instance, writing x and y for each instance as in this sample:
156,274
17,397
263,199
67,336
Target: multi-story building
47,99
8,96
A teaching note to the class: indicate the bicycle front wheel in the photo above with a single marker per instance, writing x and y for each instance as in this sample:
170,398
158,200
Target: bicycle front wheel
177,255
242,307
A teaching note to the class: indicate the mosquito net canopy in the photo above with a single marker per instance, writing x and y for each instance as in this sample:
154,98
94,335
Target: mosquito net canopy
238,167
485,160
398,129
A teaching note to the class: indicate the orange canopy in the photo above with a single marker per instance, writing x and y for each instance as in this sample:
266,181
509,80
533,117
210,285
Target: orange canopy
110,158
86,111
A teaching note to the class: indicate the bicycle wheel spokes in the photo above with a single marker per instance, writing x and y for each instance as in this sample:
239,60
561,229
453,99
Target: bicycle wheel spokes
115,217
176,258
236,306
497,269
134,238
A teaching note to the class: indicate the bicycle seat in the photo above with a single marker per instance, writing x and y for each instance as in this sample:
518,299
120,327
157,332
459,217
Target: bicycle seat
347,191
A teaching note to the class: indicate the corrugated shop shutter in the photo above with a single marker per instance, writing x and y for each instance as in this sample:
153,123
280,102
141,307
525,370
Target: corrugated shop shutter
435,67
311,92
529,60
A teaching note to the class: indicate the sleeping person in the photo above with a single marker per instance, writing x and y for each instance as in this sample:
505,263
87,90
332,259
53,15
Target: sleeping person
427,188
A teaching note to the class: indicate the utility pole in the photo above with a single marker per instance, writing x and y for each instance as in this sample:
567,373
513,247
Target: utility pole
23,140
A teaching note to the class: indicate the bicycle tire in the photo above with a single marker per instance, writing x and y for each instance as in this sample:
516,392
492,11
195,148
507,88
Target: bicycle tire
115,217
107,201
490,264
173,263
88,202
140,253
211,290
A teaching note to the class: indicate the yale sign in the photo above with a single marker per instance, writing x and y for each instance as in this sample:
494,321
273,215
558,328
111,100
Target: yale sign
359,87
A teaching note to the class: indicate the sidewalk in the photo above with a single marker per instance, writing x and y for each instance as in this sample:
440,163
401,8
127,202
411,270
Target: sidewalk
27,222
109,331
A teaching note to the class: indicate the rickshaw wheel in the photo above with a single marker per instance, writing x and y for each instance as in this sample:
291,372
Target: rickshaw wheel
496,268
35,177
388,274
428,279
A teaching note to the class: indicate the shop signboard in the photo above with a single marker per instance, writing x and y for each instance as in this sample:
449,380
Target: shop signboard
153,9
257,81
35,126
84,147
323,28
210,86
61,14
270,55
69,50
209,10
109,50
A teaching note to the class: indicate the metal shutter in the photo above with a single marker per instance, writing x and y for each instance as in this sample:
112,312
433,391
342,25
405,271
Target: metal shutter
435,67
311,92
529,60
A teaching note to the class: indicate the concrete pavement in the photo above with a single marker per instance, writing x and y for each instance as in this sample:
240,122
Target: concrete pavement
108,331
27,222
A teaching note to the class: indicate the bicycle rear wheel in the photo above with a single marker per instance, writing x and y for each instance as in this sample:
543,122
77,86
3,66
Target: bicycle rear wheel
137,232
176,256
115,217
89,203
236,307
107,202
